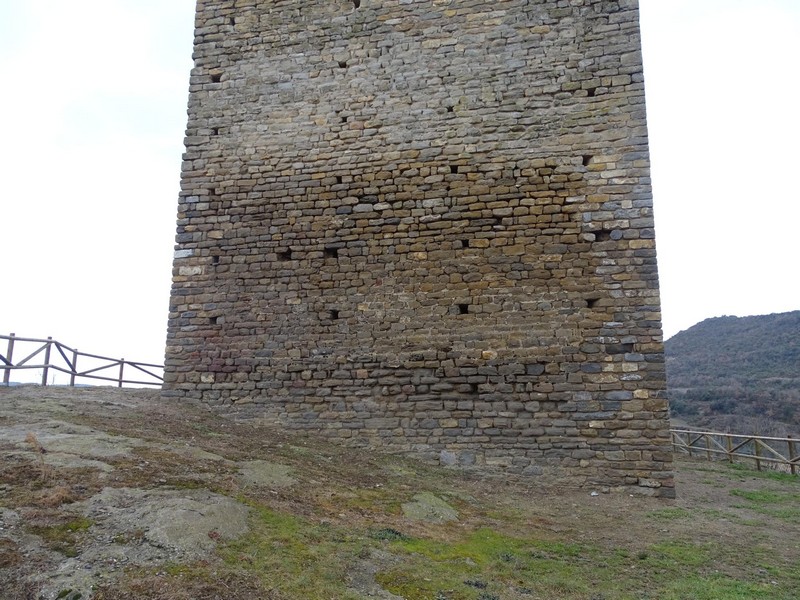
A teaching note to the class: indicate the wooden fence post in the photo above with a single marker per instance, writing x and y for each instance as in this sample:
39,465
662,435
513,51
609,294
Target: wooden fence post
74,368
121,369
708,447
46,360
729,444
757,450
792,455
9,357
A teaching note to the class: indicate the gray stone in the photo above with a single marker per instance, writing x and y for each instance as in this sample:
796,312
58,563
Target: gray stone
429,508
267,474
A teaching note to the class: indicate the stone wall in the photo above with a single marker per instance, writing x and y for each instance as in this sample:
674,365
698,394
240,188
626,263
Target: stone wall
426,224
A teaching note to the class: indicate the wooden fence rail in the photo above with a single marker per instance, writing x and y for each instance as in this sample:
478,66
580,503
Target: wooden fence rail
52,355
772,452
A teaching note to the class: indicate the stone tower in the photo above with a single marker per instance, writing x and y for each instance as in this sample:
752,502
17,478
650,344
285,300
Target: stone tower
426,224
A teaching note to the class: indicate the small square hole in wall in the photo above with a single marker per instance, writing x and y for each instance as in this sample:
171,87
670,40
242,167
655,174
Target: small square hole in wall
216,77
591,302
591,92
331,253
342,64
587,159
338,179
449,109
473,387
463,309
453,169
356,3
619,348
232,21
334,314
215,131
213,320
602,235
285,254
215,260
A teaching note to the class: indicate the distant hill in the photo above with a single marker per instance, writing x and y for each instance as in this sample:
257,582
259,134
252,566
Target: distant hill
737,373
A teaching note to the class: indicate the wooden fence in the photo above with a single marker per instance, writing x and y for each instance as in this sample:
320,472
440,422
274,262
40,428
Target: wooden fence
50,355
766,452
772,452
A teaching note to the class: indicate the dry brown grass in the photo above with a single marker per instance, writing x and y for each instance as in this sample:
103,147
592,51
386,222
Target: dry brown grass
11,584
9,554
189,583
45,470
56,496
18,590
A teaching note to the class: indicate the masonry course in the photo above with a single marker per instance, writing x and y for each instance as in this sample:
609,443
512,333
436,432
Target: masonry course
426,225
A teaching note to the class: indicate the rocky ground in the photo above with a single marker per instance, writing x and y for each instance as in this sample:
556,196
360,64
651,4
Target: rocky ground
112,494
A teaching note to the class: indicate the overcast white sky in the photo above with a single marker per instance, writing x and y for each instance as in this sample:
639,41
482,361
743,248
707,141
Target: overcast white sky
94,100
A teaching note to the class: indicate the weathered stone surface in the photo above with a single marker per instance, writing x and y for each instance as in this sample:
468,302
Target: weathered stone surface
429,508
142,528
428,226
261,472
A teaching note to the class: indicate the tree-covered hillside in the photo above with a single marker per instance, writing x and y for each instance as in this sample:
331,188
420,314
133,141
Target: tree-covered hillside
738,373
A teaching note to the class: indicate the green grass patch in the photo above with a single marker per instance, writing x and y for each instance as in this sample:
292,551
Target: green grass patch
679,554
763,496
780,505
371,500
486,564
716,513
64,537
670,514
299,558
485,547
768,474
787,575
721,588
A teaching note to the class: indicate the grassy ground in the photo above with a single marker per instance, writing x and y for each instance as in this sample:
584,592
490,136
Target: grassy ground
343,528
